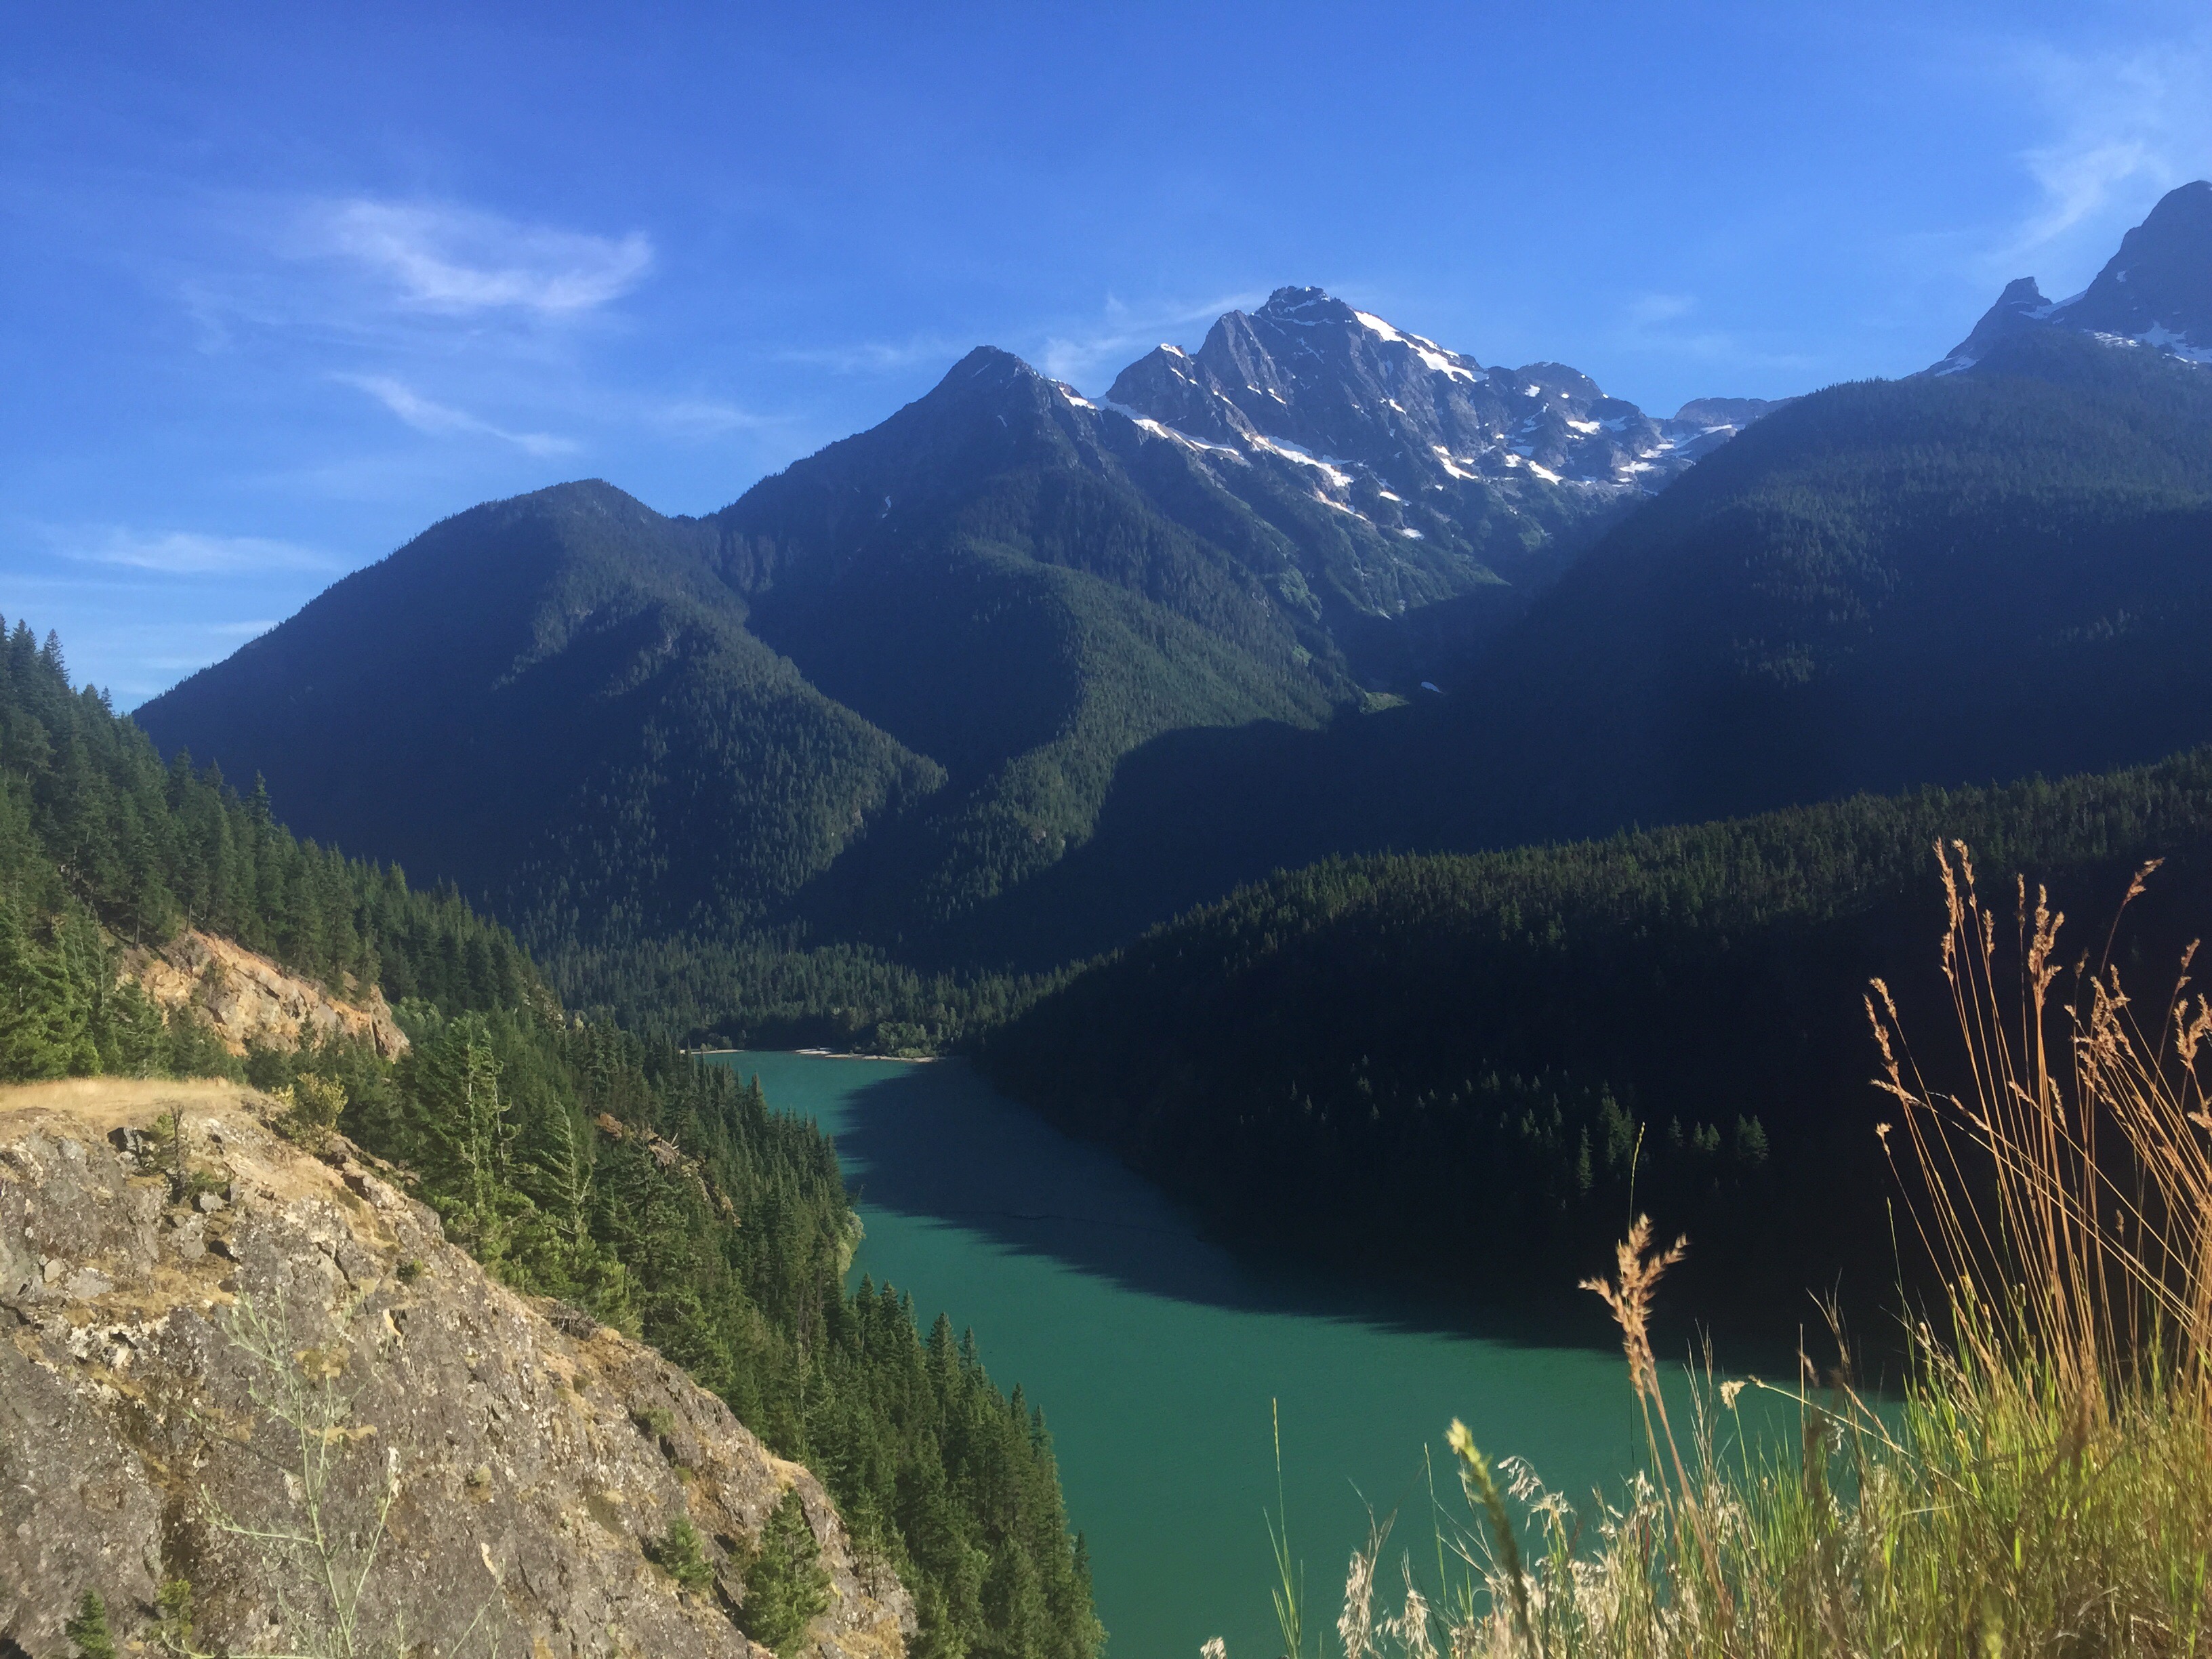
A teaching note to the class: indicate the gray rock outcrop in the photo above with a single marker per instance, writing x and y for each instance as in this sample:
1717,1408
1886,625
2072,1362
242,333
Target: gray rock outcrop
282,1344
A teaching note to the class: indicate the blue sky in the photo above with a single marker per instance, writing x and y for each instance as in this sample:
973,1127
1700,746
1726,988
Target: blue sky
285,284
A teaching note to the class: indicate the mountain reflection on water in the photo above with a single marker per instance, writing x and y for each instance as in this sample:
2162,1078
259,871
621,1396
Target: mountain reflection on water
1156,1354
933,1141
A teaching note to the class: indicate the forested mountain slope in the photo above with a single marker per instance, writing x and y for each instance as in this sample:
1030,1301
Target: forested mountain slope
1948,578
553,701
1998,572
1463,1066
103,847
893,682
565,704
1015,674
1024,591
573,1160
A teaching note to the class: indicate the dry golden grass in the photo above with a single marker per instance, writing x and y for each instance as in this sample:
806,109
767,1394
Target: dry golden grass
2069,1182
2045,1485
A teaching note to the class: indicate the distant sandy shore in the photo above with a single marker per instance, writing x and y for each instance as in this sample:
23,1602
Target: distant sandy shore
825,1054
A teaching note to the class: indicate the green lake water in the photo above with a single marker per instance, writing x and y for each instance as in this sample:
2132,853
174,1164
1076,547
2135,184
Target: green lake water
1155,1354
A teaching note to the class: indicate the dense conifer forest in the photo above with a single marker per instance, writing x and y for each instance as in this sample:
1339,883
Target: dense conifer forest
101,844
576,1160
1478,1067
1888,583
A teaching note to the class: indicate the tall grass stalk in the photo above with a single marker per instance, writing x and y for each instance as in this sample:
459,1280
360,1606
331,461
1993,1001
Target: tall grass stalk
1289,1587
2045,1485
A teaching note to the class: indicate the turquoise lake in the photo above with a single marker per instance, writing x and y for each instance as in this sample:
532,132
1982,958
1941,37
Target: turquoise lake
1156,1353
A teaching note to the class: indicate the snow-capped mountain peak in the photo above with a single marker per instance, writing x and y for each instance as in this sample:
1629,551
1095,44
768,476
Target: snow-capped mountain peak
1311,372
2156,292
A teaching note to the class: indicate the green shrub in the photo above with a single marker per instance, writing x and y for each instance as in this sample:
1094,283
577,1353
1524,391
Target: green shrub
173,1605
314,1104
677,1553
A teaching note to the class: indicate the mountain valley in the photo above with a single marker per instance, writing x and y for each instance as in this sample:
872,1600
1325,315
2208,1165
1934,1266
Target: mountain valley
877,754
999,832
894,683
1419,816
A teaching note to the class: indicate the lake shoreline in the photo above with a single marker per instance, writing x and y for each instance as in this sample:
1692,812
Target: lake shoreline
825,1054
1164,1360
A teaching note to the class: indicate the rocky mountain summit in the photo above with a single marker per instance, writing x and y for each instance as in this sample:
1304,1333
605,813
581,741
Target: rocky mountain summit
255,1392
1309,375
1327,464
2156,292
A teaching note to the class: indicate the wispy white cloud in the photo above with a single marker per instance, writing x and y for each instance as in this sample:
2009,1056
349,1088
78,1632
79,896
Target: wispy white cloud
181,552
2124,126
442,420
2076,183
706,417
1646,309
876,356
442,258
1123,332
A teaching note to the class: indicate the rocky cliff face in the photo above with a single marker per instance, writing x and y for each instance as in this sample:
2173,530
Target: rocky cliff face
246,997
200,1376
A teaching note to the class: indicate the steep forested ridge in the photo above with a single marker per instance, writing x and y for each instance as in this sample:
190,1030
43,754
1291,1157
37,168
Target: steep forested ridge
577,710
1469,1065
573,1159
1003,582
98,837
1927,580
553,703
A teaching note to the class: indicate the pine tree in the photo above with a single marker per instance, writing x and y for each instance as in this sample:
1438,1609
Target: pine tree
463,1120
785,1585
678,1555
41,1026
88,1630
